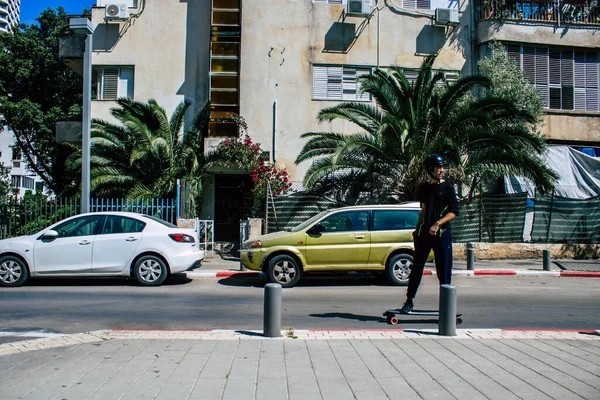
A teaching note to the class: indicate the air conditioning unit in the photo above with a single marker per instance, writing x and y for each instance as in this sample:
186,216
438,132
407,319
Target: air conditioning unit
359,7
446,16
116,11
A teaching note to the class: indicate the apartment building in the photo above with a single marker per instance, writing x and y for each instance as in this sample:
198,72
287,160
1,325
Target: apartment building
22,179
278,63
10,11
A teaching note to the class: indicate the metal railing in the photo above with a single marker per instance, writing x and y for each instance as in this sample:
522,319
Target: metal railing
586,12
25,217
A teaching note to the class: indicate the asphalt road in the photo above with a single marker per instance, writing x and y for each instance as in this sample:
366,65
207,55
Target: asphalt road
71,306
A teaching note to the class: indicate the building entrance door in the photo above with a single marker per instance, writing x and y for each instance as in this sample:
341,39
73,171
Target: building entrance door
233,202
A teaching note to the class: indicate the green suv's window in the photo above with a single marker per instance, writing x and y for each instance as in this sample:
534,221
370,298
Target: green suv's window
346,221
391,220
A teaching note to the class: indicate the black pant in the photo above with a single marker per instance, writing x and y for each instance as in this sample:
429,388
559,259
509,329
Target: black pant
442,250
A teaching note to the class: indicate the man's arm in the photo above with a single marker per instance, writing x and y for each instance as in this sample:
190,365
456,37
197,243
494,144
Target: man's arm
444,220
420,221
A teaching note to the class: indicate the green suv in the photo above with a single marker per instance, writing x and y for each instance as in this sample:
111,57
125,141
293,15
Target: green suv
357,238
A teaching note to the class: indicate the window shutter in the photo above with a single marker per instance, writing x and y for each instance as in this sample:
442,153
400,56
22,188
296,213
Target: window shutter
580,96
579,80
514,52
423,4
334,83
349,84
591,81
409,3
544,94
591,69
554,66
529,63
364,96
110,81
541,74
319,83
566,78
566,68
126,83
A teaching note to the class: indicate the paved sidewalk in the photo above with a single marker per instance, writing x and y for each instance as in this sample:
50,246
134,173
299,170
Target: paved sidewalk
216,266
382,364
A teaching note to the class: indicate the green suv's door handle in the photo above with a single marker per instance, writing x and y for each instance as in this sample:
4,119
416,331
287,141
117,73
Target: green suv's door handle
359,237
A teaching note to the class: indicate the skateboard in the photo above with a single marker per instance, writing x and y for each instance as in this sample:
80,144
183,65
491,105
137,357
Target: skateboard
392,315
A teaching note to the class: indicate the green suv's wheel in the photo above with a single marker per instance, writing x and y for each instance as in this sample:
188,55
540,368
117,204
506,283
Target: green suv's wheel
398,269
284,270
150,270
13,271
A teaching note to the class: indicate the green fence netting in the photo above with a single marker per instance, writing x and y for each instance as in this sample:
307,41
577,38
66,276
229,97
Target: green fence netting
491,218
499,218
560,220
284,212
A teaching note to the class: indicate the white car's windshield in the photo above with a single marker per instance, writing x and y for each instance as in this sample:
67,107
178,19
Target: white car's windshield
309,221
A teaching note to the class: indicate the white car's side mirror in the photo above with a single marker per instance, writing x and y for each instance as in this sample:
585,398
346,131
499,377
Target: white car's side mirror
50,235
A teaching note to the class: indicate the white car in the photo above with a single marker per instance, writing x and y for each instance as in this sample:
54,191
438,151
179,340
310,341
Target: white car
101,244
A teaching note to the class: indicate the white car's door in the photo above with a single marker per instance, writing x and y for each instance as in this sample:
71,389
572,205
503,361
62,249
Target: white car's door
116,243
71,251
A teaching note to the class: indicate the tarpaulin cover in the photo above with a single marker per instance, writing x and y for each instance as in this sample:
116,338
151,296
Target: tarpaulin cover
579,174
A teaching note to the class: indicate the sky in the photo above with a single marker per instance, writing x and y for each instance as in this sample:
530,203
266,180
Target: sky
31,9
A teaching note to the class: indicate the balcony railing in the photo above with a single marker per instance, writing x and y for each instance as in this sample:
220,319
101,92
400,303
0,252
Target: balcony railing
569,12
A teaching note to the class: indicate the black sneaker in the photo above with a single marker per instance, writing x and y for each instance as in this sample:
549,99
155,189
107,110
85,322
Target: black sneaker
407,307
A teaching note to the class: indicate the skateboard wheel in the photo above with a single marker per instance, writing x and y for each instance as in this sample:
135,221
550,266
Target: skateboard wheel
393,320
458,321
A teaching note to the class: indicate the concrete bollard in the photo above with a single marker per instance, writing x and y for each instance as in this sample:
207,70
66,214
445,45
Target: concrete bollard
447,322
547,262
470,259
272,317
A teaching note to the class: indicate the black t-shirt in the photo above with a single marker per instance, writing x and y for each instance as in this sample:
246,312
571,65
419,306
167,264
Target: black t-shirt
439,199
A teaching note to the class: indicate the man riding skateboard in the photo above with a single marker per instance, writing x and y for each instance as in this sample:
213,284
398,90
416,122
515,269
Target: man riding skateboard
439,206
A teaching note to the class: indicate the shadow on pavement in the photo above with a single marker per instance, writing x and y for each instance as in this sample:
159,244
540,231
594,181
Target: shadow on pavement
311,280
362,318
173,280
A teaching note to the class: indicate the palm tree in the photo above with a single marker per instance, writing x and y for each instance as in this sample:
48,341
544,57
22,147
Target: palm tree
480,137
145,154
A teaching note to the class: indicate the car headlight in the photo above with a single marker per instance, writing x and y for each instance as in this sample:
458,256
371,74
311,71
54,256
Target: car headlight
252,244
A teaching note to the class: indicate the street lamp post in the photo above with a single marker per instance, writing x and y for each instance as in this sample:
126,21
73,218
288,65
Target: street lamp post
83,26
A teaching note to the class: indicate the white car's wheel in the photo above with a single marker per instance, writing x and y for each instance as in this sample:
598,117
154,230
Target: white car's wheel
13,271
150,270
398,269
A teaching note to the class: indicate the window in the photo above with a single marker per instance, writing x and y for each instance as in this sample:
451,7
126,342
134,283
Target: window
328,1
28,183
566,78
111,83
15,181
338,83
82,226
39,186
16,153
392,220
346,221
117,224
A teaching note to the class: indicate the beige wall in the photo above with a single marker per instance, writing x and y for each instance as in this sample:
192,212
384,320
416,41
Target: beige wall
163,44
572,126
546,34
281,42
